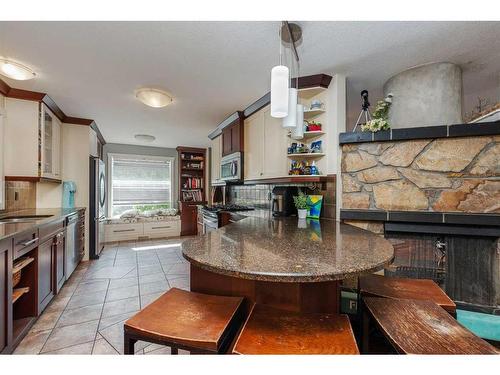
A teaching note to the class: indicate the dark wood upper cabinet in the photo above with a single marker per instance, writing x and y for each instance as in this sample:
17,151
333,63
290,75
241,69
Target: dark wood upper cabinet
232,138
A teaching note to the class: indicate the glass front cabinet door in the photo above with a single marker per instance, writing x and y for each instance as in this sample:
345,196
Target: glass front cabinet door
50,131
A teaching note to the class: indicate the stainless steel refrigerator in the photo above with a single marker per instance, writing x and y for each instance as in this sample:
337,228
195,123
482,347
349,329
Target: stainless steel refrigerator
97,206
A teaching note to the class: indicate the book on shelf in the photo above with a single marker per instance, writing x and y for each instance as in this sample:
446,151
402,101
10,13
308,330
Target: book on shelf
197,165
192,183
192,196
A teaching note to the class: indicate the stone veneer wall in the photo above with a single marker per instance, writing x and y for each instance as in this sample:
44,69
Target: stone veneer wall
440,175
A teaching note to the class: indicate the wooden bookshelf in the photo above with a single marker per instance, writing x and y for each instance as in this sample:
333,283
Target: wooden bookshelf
192,174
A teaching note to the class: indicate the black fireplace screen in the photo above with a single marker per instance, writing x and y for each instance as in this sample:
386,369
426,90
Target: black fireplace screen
466,268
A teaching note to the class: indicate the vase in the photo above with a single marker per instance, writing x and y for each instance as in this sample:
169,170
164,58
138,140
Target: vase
302,213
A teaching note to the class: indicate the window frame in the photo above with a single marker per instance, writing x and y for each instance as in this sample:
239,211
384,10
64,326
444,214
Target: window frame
109,178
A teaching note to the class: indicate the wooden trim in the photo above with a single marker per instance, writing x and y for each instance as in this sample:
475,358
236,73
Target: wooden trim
32,179
11,92
77,121
51,104
25,95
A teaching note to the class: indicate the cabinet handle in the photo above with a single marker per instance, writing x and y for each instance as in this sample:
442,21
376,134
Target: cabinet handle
168,226
27,243
124,230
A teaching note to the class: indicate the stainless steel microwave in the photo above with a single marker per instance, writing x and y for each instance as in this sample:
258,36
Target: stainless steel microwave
230,167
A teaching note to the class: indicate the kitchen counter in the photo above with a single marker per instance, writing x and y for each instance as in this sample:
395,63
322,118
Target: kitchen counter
11,229
282,250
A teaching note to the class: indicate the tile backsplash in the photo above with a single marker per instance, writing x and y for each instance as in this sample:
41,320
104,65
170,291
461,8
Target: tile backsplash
260,196
20,195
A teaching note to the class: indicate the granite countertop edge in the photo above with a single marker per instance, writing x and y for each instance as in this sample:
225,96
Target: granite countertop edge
56,214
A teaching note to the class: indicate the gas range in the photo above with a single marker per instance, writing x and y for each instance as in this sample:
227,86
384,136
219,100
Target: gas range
226,207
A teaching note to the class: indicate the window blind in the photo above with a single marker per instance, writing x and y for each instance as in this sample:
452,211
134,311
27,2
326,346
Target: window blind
140,181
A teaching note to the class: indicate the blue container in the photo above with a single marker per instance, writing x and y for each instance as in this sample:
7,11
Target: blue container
68,196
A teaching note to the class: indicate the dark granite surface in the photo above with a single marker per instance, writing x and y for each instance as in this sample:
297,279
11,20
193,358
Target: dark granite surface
282,251
11,229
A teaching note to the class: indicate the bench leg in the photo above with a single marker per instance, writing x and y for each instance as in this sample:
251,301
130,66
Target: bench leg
128,344
174,351
365,336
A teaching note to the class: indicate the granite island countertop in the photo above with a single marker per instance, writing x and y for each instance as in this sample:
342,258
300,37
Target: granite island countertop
284,250
11,229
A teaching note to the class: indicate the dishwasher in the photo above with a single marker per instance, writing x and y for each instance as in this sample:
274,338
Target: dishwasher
72,253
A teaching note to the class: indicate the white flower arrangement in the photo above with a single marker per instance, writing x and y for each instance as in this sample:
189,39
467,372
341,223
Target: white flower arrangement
380,116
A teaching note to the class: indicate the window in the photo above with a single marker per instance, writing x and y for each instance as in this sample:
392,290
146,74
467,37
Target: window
139,182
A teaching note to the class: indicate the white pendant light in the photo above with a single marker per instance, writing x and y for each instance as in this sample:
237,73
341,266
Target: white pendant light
290,121
298,131
279,91
15,70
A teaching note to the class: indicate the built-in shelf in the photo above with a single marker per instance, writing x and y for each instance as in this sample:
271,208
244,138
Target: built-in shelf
311,134
192,169
21,263
292,179
310,92
311,113
18,292
307,155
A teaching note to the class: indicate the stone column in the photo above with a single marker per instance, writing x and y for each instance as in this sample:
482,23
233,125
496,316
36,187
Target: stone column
426,95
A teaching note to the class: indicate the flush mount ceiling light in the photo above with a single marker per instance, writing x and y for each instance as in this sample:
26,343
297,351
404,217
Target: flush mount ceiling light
15,70
153,97
144,137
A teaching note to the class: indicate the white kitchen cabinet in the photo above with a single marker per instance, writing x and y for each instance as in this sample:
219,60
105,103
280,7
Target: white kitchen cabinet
265,146
216,157
254,150
2,183
34,134
275,147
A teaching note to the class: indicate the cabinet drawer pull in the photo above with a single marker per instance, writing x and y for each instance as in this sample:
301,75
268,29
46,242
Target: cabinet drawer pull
27,243
123,230
164,227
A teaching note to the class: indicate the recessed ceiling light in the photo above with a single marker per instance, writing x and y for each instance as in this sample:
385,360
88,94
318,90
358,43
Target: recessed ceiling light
15,70
144,137
153,97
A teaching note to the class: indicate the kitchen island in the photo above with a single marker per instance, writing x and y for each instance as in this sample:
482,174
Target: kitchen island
285,263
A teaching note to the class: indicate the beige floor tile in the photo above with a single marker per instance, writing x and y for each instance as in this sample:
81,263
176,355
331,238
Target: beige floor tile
178,269
71,335
149,270
92,286
120,306
109,272
122,283
86,299
102,347
154,277
149,288
179,282
122,293
85,348
110,320
32,343
80,315
148,298
47,320
114,335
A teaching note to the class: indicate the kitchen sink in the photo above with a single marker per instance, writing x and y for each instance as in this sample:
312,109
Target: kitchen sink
22,219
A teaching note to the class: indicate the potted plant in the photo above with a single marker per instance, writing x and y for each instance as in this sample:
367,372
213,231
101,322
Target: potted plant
301,204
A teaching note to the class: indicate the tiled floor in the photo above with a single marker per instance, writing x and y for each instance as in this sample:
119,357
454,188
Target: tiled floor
87,316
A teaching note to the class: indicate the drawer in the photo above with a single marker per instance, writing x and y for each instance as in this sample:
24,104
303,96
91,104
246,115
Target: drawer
25,242
48,230
162,229
118,232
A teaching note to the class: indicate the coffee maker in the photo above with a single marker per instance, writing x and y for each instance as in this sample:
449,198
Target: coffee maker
282,200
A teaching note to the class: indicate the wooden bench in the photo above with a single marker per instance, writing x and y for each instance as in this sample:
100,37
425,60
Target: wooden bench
199,323
420,327
400,288
271,331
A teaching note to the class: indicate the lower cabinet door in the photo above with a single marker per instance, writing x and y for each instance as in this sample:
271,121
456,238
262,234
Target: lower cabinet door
5,290
45,272
60,271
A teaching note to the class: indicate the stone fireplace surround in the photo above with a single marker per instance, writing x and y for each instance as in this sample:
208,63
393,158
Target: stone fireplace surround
420,186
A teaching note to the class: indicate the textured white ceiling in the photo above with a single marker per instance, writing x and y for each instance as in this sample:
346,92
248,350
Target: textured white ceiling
214,68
